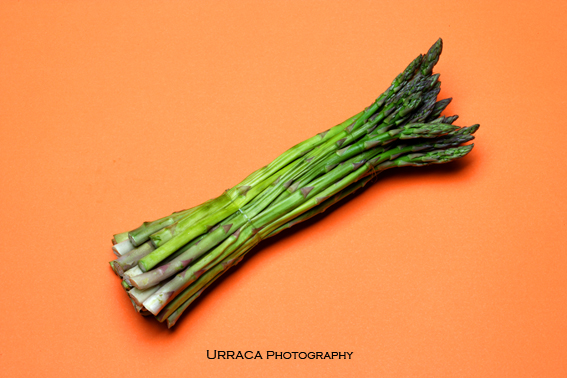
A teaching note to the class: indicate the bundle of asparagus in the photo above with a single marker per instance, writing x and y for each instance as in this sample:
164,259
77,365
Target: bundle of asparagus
166,264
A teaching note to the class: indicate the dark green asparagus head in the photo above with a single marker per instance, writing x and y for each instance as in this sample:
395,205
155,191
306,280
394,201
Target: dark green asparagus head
469,130
400,81
440,106
409,72
410,104
435,157
426,130
427,106
431,58
444,119
452,139
455,138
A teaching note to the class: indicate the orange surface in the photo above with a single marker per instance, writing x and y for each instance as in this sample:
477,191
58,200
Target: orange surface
113,113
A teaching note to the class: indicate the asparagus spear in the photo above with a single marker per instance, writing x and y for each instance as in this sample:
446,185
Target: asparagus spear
141,234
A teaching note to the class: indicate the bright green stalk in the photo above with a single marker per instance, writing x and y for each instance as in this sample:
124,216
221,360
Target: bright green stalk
141,234
373,140
252,185
210,241
166,234
369,141
357,171
213,238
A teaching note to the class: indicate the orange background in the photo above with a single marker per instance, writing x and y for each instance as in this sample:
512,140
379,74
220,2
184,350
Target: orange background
113,113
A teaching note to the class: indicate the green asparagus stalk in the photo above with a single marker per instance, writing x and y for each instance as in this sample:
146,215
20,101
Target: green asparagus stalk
155,302
142,233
